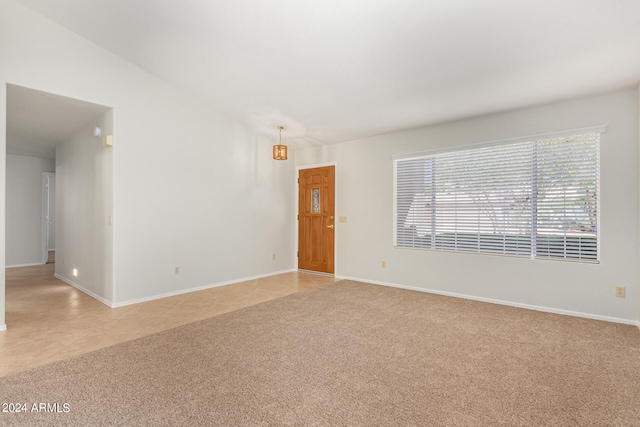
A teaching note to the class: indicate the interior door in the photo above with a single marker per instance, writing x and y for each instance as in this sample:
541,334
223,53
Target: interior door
316,214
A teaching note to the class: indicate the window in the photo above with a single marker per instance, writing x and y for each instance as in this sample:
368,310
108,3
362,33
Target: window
535,197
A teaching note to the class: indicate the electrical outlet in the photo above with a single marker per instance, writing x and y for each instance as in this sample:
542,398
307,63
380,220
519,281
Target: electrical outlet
273,257
620,291
384,264
176,270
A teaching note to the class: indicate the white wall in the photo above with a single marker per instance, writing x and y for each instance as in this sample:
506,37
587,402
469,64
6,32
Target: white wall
191,187
24,209
84,177
365,196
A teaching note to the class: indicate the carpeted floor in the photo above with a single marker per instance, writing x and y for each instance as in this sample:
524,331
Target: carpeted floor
349,354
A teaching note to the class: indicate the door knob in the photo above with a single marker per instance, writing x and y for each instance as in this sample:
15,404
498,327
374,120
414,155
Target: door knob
330,226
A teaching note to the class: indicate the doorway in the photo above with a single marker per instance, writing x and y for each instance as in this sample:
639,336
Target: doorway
316,219
48,217
53,133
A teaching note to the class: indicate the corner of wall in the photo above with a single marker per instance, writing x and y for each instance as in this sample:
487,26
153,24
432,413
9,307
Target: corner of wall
3,164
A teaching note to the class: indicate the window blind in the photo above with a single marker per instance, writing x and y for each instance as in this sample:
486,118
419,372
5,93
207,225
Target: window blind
534,198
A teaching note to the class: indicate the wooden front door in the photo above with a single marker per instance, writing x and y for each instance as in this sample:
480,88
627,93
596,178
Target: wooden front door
316,214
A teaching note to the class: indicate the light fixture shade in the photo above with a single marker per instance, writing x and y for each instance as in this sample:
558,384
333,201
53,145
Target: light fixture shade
280,152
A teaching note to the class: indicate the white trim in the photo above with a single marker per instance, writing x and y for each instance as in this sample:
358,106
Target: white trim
83,289
46,195
579,131
198,288
500,302
167,294
3,328
336,234
24,265
316,165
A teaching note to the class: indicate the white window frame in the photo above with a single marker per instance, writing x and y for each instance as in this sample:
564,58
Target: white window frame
571,246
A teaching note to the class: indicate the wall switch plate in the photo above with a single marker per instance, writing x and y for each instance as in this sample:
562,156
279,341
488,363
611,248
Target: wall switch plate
620,291
176,270
342,219
384,264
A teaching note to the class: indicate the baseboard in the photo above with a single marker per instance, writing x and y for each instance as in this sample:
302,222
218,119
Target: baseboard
83,289
500,302
198,288
317,273
24,265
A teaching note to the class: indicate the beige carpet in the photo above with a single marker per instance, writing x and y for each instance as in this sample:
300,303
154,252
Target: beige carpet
350,354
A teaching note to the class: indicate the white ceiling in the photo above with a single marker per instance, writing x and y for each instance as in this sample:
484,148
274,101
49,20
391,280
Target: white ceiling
38,121
332,71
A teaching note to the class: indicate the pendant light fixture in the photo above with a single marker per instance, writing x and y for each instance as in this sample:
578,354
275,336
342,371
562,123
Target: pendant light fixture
279,150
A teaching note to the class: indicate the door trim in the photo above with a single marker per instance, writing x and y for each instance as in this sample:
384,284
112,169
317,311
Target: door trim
45,211
336,236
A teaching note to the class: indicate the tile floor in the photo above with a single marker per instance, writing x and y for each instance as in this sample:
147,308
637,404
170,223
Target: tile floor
48,320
